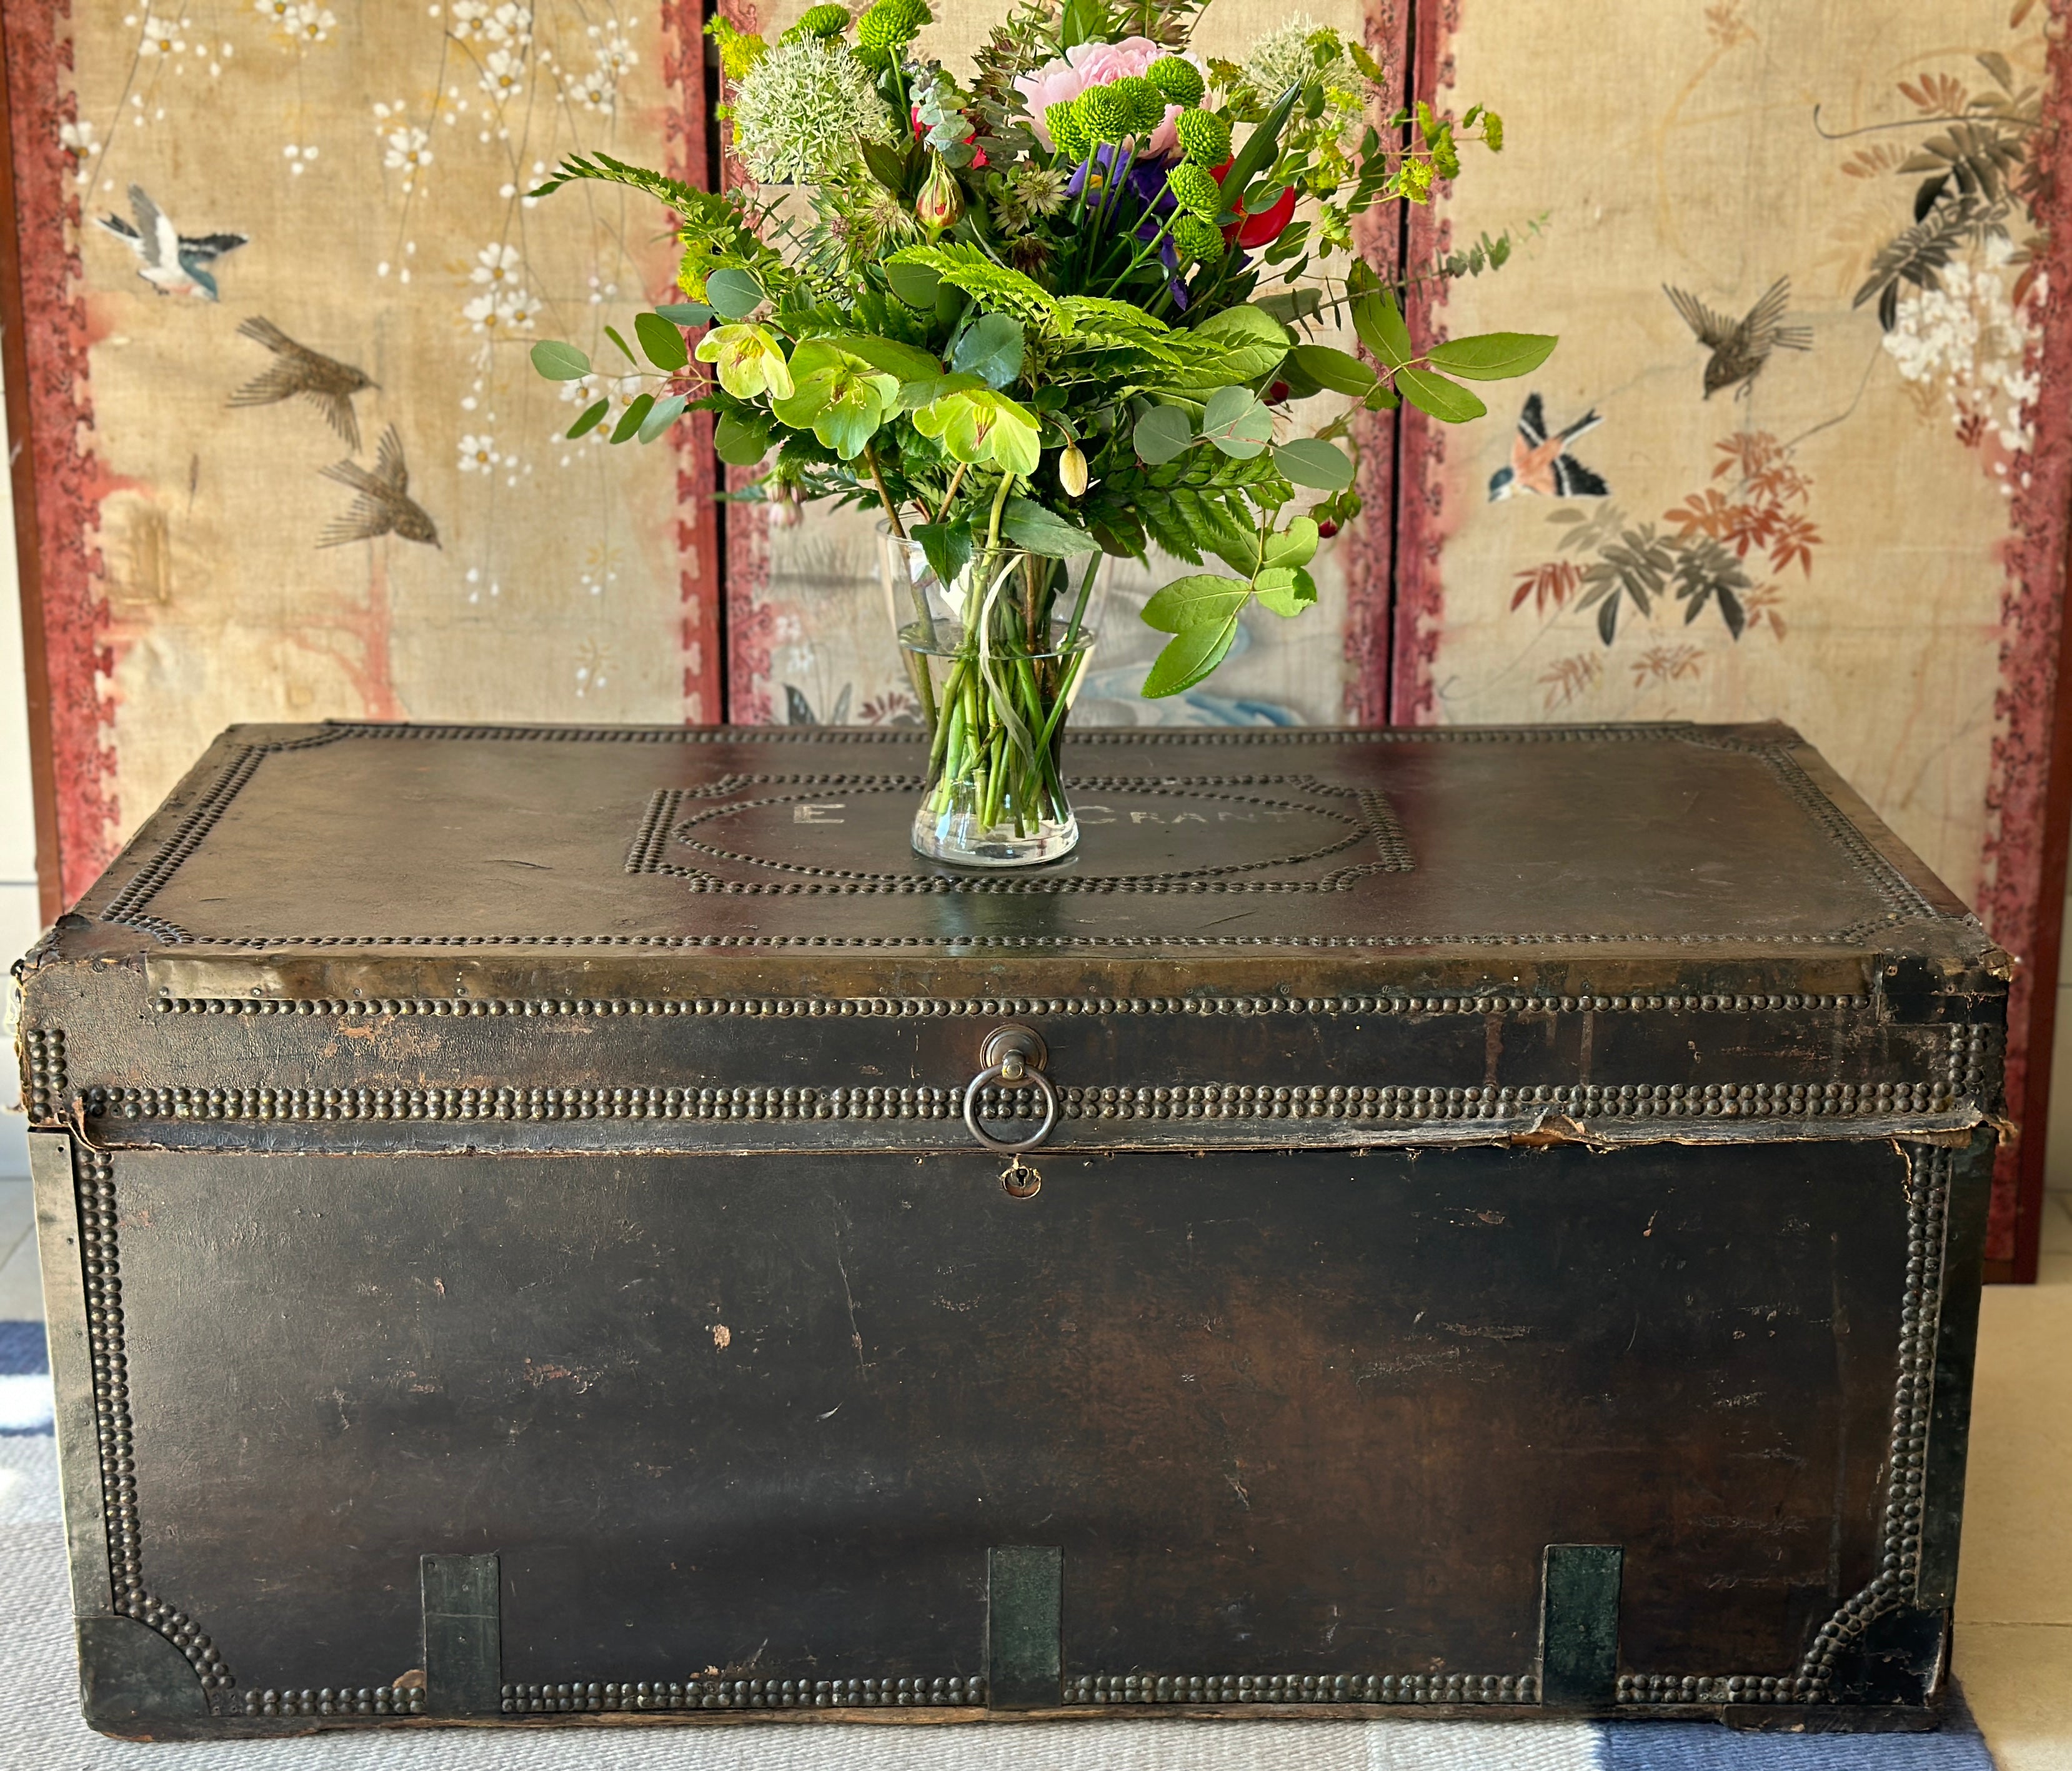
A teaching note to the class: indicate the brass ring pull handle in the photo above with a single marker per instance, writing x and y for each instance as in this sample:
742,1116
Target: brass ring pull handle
1012,1055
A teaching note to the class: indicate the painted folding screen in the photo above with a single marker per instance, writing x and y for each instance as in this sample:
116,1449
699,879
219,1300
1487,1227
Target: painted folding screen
1796,255
1818,411
315,476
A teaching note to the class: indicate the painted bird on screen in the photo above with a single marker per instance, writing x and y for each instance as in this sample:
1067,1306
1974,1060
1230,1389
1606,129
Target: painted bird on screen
384,505
171,262
1741,348
326,383
1542,465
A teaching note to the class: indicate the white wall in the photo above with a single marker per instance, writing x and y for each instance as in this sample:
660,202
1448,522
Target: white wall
19,923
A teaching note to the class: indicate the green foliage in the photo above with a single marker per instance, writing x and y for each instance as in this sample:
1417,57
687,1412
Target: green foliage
1062,370
663,343
559,362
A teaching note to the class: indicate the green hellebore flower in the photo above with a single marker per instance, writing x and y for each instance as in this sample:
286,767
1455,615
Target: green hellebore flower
749,361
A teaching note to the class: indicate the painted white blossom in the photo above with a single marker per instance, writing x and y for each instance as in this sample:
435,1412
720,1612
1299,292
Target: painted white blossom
478,454
495,263
166,37
469,20
314,23
409,150
77,137
598,89
1967,341
803,110
503,73
278,13
498,312
509,23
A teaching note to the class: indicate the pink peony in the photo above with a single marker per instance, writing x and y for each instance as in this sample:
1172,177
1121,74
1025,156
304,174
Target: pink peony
1097,64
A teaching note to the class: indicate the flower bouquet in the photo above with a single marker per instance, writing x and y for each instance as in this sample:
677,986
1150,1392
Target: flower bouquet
1058,312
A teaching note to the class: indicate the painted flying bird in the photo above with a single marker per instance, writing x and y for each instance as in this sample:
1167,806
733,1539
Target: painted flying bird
173,263
1739,351
1542,464
325,382
384,506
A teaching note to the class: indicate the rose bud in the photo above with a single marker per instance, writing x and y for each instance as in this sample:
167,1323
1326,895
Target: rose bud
1326,529
940,204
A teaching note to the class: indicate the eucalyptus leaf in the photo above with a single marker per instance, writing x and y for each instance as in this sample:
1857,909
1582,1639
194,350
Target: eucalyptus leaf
1448,401
1036,530
611,332
1492,357
1308,461
634,416
990,348
1203,597
1188,657
684,313
592,416
1237,423
1378,321
559,361
1340,371
663,343
663,414
732,292
1162,434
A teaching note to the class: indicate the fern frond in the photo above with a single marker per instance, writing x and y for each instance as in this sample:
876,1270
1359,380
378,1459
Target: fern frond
685,199
993,286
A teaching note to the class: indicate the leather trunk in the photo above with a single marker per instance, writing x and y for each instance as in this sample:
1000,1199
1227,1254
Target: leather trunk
527,1240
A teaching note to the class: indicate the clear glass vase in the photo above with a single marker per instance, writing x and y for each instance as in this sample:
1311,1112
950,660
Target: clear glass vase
996,655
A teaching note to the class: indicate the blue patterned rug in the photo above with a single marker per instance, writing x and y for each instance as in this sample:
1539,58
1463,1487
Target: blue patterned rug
40,1724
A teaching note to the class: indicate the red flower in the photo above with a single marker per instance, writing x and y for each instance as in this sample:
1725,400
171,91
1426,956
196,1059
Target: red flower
978,154
1252,232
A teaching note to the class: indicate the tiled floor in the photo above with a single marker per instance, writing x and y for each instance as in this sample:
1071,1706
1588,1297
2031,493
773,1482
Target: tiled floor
21,1286
2014,1592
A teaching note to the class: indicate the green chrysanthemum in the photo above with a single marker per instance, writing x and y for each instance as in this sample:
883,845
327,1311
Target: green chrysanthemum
1195,191
1144,105
1179,80
1068,130
822,21
1103,113
892,24
805,108
1205,137
1199,241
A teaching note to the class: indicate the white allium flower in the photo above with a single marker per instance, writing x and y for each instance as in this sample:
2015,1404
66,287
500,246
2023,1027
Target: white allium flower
1282,57
803,110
